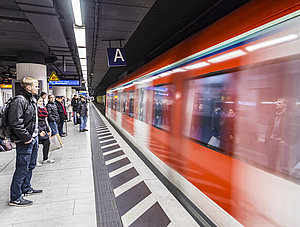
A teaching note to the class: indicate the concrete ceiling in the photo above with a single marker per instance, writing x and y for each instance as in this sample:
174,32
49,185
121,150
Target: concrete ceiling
110,20
146,28
167,23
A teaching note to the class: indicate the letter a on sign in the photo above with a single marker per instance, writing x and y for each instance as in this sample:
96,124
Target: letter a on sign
116,57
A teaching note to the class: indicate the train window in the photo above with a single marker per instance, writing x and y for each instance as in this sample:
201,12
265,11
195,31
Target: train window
141,109
131,104
163,101
211,110
124,102
253,114
115,101
119,101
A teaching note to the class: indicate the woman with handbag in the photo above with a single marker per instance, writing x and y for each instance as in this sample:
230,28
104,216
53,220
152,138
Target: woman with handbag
44,131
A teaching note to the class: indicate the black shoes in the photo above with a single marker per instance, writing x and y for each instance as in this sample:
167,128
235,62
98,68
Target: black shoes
33,191
85,130
20,202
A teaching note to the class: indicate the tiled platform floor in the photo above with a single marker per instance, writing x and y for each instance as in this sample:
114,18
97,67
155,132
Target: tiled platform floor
127,192
68,190
141,199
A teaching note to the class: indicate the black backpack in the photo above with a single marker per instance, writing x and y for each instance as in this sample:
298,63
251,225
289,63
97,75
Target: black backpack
4,127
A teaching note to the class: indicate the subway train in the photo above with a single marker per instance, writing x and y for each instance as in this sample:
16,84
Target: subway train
219,115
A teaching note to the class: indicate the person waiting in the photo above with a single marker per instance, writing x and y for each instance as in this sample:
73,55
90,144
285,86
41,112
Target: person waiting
53,116
62,115
69,109
44,131
74,104
83,113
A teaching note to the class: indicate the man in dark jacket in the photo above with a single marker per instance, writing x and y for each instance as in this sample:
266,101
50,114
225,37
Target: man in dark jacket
22,120
83,112
74,104
62,115
278,136
53,117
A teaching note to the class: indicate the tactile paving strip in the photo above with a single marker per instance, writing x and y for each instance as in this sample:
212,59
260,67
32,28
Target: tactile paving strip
125,183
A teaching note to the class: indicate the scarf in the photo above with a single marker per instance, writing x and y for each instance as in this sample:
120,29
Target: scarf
42,112
63,106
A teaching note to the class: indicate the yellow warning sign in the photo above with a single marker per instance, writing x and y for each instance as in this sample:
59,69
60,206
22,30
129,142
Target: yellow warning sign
53,77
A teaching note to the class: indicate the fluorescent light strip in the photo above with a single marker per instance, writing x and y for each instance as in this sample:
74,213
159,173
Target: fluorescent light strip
84,68
83,62
178,70
268,102
82,52
79,36
272,42
197,65
164,74
227,56
77,12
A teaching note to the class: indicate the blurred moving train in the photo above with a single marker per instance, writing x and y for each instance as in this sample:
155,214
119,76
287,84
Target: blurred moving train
219,115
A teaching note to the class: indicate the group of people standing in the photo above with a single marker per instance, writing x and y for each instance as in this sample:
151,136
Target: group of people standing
80,112
27,116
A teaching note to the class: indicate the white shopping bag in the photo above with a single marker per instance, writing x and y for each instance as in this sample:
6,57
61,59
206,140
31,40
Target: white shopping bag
55,142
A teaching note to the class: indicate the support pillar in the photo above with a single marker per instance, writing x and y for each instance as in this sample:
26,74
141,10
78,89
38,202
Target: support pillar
69,92
32,65
74,92
59,90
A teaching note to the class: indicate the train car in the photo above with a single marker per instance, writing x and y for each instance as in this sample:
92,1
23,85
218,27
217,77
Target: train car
219,115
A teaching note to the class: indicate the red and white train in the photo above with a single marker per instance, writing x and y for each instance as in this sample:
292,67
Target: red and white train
219,115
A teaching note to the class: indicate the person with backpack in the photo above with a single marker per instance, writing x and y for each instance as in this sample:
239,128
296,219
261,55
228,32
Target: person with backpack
23,123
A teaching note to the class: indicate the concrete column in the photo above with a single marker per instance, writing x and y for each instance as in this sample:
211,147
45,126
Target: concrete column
74,92
32,65
69,92
59,90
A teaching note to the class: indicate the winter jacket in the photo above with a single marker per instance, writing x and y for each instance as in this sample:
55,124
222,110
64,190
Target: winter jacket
83,109
61,111
42,124
74,104
22,117
53,115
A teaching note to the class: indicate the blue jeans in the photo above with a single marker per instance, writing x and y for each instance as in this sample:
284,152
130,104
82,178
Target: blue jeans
54,128
25,163
75,117
61,127
83,122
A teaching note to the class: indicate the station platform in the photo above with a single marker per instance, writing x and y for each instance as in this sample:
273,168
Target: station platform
96,180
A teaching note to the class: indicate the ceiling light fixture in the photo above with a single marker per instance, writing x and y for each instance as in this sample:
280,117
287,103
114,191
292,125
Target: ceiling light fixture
83,62
77,12
82,52
79,36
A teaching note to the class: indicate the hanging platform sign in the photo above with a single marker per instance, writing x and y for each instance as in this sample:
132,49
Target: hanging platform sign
73,83
53,77
5,85
116,57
